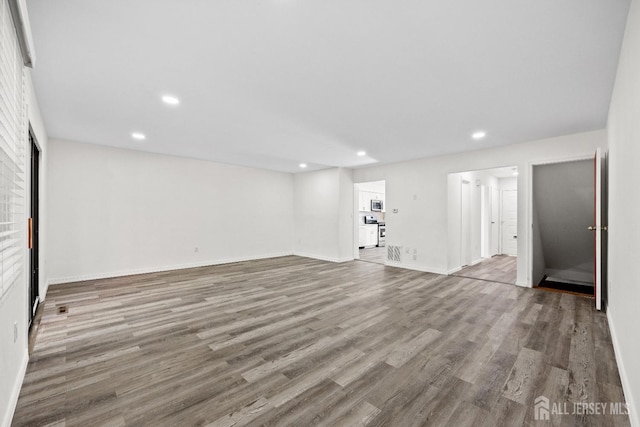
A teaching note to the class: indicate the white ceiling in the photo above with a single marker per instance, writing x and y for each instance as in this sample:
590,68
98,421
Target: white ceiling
272,83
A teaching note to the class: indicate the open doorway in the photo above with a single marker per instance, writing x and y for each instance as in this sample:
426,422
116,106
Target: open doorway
370,234
563,211
483,222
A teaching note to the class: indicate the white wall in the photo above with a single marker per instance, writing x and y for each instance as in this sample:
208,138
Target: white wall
538,263
346,214
418,189
324,214
14,305
508,183
373,187
114,212
624,213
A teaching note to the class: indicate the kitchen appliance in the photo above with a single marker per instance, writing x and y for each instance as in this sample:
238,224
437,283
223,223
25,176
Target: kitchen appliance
382,234
370,219
376,205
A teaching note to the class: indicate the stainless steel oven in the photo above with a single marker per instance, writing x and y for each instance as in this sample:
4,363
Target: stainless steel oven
382,233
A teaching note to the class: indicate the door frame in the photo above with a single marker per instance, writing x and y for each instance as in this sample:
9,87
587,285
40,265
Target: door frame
529,204
465,249
501,216
34,252
357,189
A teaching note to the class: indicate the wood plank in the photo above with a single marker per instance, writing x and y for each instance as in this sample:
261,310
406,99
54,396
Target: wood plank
297,341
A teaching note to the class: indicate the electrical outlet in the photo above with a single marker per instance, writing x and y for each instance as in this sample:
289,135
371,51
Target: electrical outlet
415,252
407,250
196,250
415,257
15,331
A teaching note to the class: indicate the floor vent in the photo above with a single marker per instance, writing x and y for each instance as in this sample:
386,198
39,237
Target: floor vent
62,309
393,253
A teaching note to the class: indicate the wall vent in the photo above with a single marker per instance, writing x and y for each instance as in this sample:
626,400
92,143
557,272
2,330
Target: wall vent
394,253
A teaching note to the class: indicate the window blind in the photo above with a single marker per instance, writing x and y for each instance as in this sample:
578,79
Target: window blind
13,140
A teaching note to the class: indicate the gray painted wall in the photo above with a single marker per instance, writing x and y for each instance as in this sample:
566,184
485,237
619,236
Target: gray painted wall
563,199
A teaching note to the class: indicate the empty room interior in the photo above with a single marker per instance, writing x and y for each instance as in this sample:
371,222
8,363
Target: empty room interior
288,212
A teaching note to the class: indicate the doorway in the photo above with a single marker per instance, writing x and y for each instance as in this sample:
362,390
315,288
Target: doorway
370,228
34,230
465,222
483,214
563,246
509,222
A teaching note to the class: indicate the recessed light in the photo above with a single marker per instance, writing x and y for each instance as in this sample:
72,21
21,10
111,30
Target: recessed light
362,153
303,165
478,135
139,136
171,100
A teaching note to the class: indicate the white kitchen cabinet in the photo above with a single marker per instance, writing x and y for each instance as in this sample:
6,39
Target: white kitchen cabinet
365,198
368,235
364,204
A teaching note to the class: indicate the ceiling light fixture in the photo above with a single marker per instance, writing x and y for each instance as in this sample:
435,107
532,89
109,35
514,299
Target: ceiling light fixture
362,153
303,165
478,135
171,100
139,136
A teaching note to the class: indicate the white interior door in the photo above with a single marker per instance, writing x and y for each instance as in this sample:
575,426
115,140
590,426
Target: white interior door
597,228
485,221
465,223
495,222
510,222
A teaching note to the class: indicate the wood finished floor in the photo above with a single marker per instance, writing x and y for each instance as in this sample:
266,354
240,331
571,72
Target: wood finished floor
377,254
498,268
295,341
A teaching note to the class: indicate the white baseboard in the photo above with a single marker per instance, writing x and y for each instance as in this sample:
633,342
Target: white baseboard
456,269
523,283
15,393
634,417
131,272
322,257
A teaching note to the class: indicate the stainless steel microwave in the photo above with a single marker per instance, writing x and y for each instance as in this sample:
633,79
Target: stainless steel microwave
376,206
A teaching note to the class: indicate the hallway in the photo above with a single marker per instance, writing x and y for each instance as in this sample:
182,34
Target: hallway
499,268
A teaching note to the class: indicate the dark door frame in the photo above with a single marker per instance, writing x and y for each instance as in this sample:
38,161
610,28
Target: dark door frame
34,229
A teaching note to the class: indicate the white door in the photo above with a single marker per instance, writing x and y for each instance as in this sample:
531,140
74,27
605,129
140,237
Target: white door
465,223
510,222
495,225
485,221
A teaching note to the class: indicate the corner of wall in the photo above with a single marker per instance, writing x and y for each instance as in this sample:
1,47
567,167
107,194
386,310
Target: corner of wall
15,391
634,416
